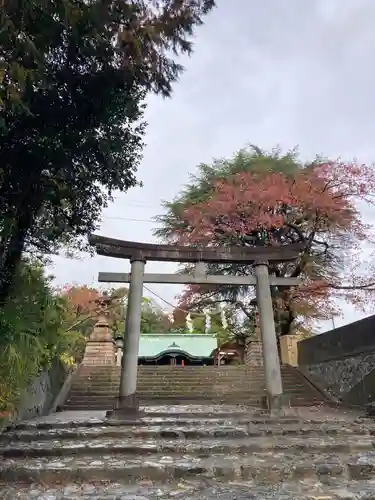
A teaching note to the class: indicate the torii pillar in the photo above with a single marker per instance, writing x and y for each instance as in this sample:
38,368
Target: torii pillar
276,399
127,405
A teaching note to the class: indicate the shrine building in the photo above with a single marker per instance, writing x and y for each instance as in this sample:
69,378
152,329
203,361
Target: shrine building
177,349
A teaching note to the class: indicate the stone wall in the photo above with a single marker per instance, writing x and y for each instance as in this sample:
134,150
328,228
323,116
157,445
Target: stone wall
342,361
40,395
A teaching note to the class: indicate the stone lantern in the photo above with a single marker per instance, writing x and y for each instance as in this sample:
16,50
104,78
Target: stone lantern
100,348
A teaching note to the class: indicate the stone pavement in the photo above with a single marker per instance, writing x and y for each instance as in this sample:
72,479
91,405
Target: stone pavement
191,452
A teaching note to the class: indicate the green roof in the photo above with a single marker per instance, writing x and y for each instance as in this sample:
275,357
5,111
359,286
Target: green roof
196,345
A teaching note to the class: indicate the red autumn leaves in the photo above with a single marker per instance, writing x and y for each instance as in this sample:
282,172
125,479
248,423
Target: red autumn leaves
81,300
319,204
317,199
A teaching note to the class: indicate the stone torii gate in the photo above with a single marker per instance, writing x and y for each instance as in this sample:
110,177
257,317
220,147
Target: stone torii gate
140,253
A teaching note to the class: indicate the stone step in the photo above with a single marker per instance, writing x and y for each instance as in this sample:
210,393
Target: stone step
157,381
188,430
110,405
113,391
186,376
326,414
176,392
105,408
97,382
191,490
172,388
187,368
249,400
173,394
183,372
173,391
180,398
201,448
198,394
157,385
185,389
155,411
102,383
266,467
94,379
196,381
167,368
204,426
203,414
158,415
216,372
191,377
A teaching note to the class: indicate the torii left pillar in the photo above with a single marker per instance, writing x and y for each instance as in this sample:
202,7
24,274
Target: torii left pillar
127,405
276,399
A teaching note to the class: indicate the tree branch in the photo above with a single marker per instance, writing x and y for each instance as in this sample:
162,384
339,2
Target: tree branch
351,287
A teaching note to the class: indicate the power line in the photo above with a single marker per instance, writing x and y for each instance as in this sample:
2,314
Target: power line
128,219
161,298
173,306
137,204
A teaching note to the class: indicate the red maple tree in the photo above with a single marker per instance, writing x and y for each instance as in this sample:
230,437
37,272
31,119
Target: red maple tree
81,304
319,205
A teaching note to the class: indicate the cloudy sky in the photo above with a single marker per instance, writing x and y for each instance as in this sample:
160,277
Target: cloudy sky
269,72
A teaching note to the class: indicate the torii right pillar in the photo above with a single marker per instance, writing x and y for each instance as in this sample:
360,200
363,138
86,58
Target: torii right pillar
275,398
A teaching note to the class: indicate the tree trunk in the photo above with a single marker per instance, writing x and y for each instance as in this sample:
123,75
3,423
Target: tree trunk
22,203
12,253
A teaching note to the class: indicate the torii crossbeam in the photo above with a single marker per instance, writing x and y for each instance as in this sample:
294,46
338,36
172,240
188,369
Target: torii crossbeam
196,279
140,253
122,249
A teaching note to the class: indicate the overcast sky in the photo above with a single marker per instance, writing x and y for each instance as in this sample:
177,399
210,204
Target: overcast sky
269,72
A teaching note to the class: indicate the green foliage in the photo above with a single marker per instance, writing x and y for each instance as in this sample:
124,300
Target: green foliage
71,346
153,318
35,330
38,38
234,330
80,312
73,78
30,332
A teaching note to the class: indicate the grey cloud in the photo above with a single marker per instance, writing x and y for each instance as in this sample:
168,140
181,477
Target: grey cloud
271,72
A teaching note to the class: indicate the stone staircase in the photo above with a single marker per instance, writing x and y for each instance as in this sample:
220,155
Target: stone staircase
192,452
96,387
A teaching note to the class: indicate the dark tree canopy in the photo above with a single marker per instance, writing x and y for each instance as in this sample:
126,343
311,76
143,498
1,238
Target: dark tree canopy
73,78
